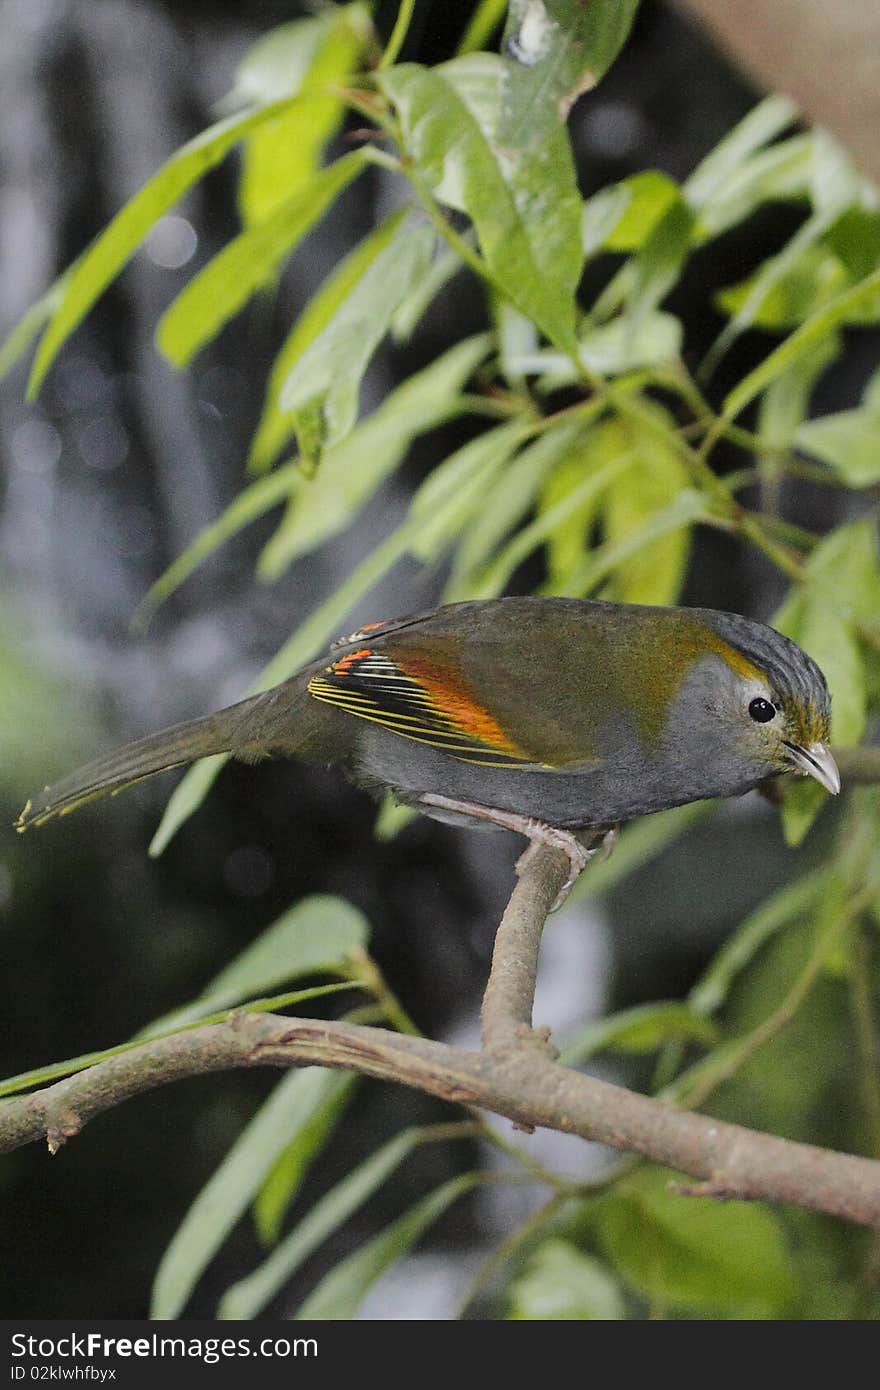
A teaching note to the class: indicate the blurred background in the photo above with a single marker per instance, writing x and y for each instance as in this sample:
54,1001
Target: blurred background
105,479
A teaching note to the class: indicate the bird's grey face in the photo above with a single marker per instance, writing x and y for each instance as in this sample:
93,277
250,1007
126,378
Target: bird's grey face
739,718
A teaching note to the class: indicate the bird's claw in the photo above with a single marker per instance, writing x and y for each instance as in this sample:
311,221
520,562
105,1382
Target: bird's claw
573,847
577,851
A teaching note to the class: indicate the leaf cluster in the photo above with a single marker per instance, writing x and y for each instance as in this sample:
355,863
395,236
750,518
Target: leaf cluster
596,444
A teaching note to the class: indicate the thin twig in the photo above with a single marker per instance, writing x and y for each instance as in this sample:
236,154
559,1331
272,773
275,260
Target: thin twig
517,1080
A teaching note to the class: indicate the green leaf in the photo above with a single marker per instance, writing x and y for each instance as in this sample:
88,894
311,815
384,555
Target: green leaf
651,195
322,388
786,401
842,589
622,346
804,800
569,532
256,499
249,1296
713,177
561,48
694,1252
572,508
89,276
445,267
317,936
871,393
22,335
392,818
655,572
687,507
844,567
779,295
306,55
288,59
855,239
230,1191
657,266
520,193
788,904
847,441
249,263
834,647
341,1292
352,471
835,186
562,1284
601,215
639,843
38,1076
275,427
513,496
517,338
802,341
457,488
782,1078
639,1030
286,1176
306,642
778,174
835,183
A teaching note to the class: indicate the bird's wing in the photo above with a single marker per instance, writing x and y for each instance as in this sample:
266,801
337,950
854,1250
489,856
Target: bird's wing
420,700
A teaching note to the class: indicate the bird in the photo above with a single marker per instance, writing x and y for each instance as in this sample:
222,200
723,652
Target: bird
557,718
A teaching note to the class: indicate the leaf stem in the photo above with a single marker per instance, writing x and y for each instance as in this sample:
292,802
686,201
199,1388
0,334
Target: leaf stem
481,26
511,1246
750,526
398,33
364,971
695,1086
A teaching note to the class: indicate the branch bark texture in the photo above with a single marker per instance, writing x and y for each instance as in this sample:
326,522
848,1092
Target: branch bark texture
825,56
512,1075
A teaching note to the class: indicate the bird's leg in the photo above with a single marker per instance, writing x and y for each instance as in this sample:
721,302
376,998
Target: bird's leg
541,834
572,845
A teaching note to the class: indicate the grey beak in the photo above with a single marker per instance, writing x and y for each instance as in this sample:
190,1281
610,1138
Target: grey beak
816,761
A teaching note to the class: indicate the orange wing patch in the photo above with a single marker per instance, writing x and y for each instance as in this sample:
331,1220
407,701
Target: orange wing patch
461,708
345,663
415,701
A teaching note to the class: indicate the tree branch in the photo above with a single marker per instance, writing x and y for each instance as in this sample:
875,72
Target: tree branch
510,1077
858,766
506,1014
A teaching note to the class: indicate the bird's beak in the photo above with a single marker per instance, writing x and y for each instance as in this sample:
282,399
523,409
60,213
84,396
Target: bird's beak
816,761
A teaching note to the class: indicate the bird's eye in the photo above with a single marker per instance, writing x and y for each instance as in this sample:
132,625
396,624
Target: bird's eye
762,711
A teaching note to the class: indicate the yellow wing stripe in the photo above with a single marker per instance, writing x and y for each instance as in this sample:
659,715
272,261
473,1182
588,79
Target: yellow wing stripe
420,734
370,686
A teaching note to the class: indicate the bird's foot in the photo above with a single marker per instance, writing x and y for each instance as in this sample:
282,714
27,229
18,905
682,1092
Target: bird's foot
577,851
579,848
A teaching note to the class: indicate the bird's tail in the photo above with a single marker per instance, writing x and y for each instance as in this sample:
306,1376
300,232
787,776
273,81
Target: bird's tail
282,721
110,773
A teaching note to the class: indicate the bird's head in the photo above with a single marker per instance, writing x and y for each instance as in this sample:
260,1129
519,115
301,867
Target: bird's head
769,701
